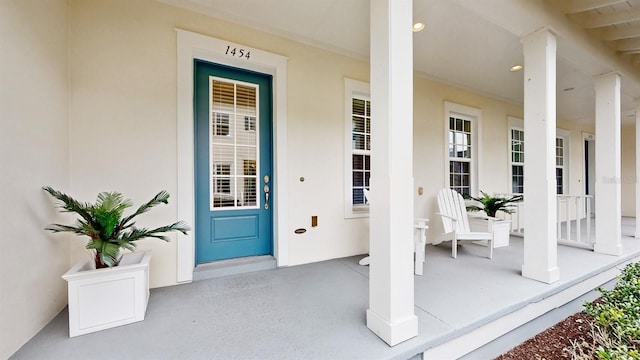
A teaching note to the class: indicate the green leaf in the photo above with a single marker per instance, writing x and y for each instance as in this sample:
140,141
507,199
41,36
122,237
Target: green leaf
108,211
105,226
161,198
493,204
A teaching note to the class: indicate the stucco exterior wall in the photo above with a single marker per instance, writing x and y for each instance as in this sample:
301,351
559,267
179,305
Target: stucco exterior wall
430,146
123,125
33,152
104,88
628,169
576,154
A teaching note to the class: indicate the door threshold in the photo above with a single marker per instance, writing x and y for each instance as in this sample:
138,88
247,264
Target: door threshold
235,266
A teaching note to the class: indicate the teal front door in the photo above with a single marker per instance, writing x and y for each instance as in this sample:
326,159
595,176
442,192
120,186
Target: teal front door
233,158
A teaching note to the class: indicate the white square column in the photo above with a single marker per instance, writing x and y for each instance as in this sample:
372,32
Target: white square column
540,239
391,296
608,188
637,114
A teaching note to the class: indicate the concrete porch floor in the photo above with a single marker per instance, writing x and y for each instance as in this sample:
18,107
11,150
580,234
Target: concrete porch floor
317,311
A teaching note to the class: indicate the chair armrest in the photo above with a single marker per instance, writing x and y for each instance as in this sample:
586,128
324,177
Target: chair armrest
420,223
448,217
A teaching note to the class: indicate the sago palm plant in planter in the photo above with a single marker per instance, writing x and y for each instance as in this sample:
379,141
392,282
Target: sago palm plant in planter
104,224
115,291
491,205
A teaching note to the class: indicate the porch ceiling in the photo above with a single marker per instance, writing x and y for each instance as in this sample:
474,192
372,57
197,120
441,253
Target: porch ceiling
471,43
614,23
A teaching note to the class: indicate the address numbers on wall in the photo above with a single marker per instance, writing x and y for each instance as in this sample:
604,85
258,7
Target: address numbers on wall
238,52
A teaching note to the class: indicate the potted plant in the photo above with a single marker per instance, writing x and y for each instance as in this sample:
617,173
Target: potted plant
111,289
491,205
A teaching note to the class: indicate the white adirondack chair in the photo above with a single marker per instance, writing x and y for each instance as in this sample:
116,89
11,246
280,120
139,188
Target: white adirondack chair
420,241
456,222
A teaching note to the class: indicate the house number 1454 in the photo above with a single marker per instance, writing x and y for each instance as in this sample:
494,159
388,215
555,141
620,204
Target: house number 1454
238,52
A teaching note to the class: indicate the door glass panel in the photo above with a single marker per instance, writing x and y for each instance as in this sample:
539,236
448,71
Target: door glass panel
249,183
234,125
246,130
222,96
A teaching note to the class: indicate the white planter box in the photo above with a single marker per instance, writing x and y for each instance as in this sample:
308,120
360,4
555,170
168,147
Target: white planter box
501,229
104,298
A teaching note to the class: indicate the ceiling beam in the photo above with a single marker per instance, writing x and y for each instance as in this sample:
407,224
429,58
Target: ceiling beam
635,59
621,33
523,16
576,6
629,46
614,18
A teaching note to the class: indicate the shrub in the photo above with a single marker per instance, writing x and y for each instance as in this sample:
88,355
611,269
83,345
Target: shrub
616,317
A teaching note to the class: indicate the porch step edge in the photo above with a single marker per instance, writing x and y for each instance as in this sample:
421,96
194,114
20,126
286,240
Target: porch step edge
465,340
527,330
230,267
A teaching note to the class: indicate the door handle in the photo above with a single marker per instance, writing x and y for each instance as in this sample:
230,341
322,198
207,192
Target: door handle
266,190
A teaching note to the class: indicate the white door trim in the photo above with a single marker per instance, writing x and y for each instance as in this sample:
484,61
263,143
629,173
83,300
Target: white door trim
587,136
196,46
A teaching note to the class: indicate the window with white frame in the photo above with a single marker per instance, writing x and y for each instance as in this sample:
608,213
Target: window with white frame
516,150
222,179
460,154
516,139
222,186
517,161
250,123
560,165
221,125
357,147
462,147
361,149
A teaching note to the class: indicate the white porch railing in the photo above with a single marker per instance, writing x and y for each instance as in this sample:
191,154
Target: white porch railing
575,220
574,224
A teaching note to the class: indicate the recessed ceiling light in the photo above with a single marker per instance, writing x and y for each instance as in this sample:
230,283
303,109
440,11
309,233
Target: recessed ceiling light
418,27
516,68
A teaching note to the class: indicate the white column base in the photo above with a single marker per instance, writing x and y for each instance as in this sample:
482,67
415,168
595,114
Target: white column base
392,334
608,249
547,276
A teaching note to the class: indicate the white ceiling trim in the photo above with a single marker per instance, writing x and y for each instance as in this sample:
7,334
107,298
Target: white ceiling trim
615,18
248,23
621,33
473,90
576,6
629,46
